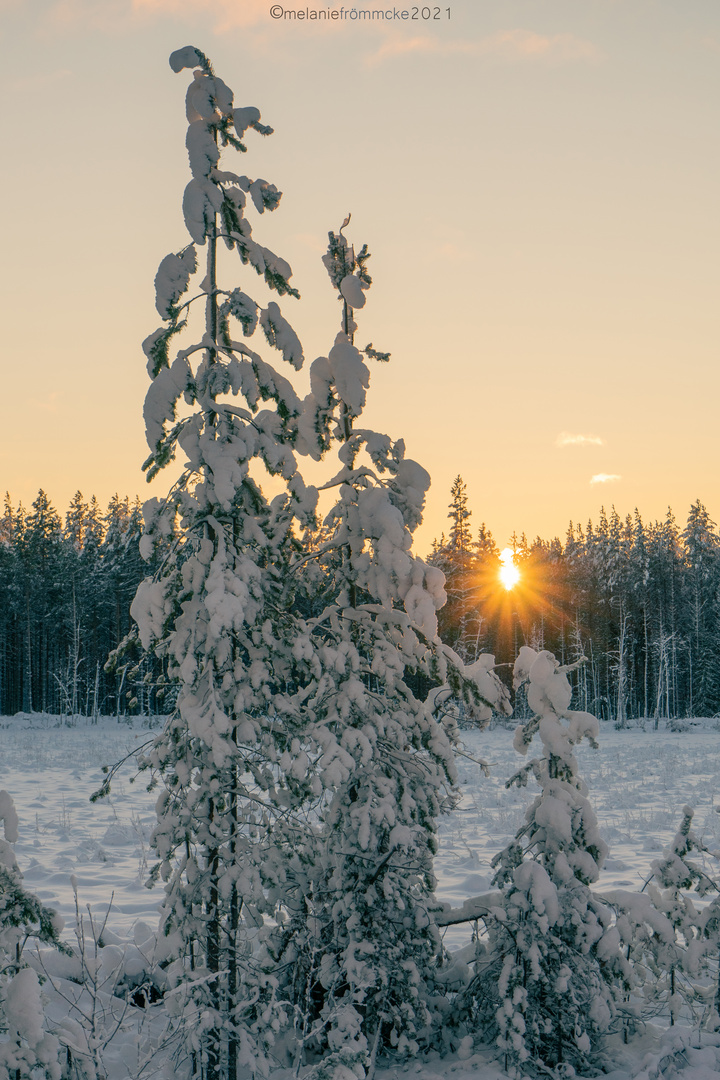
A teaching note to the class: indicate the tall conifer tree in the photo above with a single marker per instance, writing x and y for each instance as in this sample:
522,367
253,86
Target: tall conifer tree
364,945
215,610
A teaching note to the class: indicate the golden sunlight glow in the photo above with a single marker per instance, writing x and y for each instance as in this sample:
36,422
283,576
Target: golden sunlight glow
509,573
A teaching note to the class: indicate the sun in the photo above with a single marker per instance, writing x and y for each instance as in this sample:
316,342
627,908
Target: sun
509,573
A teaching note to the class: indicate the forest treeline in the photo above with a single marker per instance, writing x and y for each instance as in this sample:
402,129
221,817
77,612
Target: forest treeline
640,601
66,589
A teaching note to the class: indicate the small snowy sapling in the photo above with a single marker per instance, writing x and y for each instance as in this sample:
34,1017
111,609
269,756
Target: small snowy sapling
545,990
669,939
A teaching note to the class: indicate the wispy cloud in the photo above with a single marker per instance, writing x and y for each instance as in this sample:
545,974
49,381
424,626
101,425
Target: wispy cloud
506,44
566,438
604,478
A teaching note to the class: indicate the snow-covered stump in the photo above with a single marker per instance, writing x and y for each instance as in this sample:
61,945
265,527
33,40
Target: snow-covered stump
545,992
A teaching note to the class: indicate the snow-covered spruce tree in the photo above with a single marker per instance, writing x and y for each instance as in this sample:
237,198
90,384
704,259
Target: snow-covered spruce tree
26,1047
458,619
669,940
545,991
362,944
217,610
674,876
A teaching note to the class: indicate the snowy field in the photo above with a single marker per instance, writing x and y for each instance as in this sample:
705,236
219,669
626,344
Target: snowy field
639,781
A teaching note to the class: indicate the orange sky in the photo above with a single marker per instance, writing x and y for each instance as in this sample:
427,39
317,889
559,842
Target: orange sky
537,181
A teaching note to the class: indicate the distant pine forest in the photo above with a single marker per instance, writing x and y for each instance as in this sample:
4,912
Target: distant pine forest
639,602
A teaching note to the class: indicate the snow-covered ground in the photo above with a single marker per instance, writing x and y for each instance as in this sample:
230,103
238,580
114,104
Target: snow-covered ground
639,781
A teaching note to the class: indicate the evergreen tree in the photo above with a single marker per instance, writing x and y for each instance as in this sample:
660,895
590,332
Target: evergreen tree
40,584
460,540
678,963
216,610
10,661
545,993
75,520
79,572
702,552
363,944
26,1047
485,546
666,576
667,938
122,569
457,558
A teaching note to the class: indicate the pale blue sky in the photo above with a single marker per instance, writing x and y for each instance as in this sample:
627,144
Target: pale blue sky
536,179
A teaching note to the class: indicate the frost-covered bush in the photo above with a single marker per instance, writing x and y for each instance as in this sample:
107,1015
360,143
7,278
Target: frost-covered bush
26,1046
545,988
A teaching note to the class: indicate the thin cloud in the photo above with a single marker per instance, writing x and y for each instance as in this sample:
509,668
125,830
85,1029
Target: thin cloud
507,45
566,438
604,478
